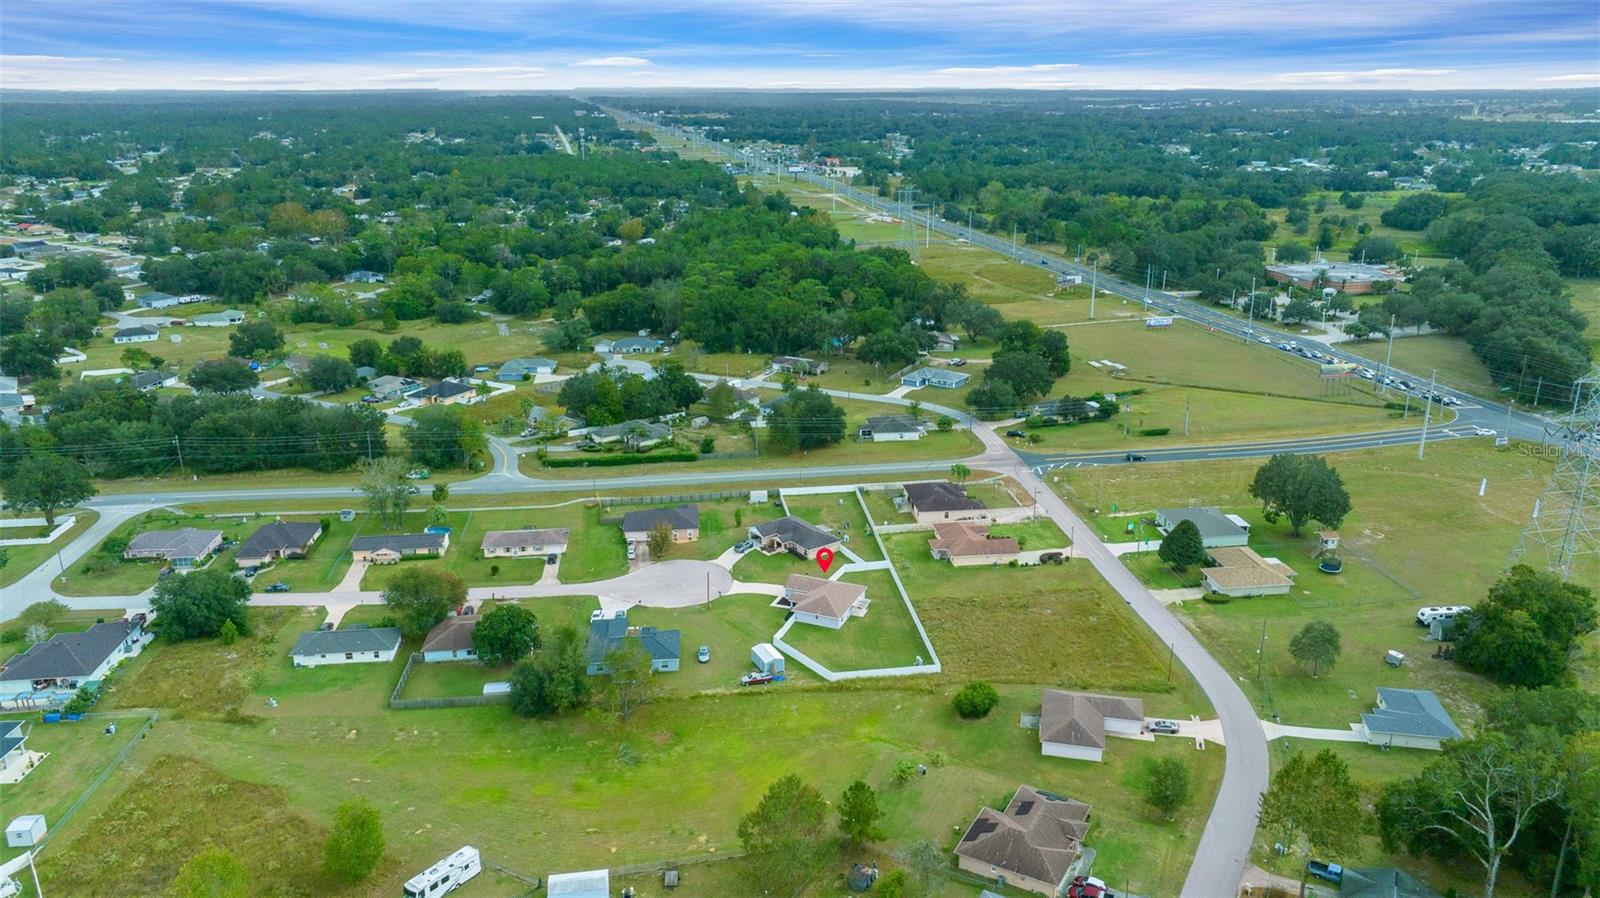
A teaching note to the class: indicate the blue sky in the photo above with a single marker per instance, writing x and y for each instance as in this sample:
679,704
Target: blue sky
820,44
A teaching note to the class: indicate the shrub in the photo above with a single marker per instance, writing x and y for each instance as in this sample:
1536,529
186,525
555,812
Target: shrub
1217,598
904,771
606,461
11,635
976,699
494,570
1155,431
708,445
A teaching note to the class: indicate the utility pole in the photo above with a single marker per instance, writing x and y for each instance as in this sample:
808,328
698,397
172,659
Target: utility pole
1388,372
1261,652
1427,413
1094,287
1186,416
179,445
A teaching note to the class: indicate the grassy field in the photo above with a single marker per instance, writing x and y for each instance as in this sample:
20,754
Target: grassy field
1418,535
23,559
1450,356
1586,299
885,637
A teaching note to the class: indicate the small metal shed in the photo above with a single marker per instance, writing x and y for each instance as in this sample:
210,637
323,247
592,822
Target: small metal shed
766,658
25,831
587,884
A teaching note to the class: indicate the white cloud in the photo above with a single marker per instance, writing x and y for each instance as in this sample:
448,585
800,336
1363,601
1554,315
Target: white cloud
1585,78
1362,76
611,62
1044,68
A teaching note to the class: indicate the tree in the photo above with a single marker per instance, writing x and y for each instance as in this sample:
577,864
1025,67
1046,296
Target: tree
366,353
135,357
441,493
46,482
788,830
222,376
506,634
421,597
631,681
1316,645
443,436
1314,805
199,603
330,374
1525,632
1293,251
554,679
45,612
213,873
1376,250
355,845
1183,546
1027,373
1478,799
1299,309
976,699
253,339
720,401
960,472
893,884
1301,488
1415,211
927,863
1166,786
388,492
659,539
859,814
809,419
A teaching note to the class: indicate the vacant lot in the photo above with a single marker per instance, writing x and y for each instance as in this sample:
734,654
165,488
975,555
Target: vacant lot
1450,356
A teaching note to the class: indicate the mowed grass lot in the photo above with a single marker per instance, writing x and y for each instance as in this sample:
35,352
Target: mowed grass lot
23,559
1418,535
885,637
1452,357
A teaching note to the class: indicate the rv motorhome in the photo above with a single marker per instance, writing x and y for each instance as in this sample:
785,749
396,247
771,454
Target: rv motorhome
445,876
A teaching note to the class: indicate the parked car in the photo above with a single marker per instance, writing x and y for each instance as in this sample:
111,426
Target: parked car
279,586
552,558
371,399
958,363
744,546
703,655
1428,615
755,678
1088,887
1052,558
1015,433
250,571
1331,872
633,551
1164,727
1133,456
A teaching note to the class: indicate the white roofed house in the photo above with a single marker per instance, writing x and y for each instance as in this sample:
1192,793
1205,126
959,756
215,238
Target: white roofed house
520,368
525,543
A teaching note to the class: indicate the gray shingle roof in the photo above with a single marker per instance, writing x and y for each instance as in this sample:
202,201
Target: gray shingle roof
607,635
511,539
278,537
356,639
893,424
444,389
143,330
940,495
185,542
68,654
1079,718
683,517
1410,712
10,736
1209,520
398,542
794,530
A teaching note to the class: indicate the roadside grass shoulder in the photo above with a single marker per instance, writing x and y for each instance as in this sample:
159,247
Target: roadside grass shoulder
1452,357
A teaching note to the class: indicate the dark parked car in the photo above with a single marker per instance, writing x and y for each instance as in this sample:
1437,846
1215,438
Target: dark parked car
251,571
1134,456
1015,433
551,559
279,586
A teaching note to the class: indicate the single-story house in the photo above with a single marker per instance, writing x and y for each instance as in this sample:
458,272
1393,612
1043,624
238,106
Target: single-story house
620,366
69,660
390,548
1067,408
1217,528
17,407
965,545
935,377
451,640
798,365
1238,571
585,884
1408,718
446,392
525,543
391,386
516,369
1034,843
184,547
356,645
607,633
144,333
563,423
218,319
891,428
793,535
1382,882
825,603
363,276
634,345
940,500
298,362
13,744
683,519
155,299
145,381
276,541
1075,724
636,435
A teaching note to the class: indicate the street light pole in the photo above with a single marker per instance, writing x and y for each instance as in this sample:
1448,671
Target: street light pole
1427,413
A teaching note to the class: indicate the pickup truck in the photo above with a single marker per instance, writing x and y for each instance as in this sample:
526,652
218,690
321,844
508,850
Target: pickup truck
1331,872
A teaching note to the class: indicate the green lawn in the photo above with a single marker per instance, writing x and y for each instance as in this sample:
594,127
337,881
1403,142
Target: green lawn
101,574
452,678
885,637
77,751
729,627
23,559
840,513
758,567
1452,357
1039,533
324,566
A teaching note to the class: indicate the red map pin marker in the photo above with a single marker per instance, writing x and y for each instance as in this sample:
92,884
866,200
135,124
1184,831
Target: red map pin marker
824,559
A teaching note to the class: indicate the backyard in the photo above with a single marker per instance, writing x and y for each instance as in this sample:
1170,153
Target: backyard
885,637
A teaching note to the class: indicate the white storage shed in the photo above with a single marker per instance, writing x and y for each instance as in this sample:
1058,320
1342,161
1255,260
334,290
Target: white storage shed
25,831
587,884
766,658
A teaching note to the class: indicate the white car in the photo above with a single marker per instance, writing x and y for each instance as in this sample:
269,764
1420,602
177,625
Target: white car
1428,615
633,551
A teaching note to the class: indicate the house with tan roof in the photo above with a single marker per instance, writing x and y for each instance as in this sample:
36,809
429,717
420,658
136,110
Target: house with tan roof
1238,571
1034,843
1075,724
825,603
964,545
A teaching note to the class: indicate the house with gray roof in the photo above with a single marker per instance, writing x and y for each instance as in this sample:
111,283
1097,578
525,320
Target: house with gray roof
1408,718
798,365
620,366
389,548
891,428
451,639
145,381
940,500
634,435
607,633
356,645
634,345
1034,844
1217,528
446,392
793,535
683,519
935,377
1075,724
391,386
519,368
186,547
144,333
527,543
67,661
276,541
225,318
155,299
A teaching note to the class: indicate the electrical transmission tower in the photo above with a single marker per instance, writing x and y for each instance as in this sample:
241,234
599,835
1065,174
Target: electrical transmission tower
906,199
1564,533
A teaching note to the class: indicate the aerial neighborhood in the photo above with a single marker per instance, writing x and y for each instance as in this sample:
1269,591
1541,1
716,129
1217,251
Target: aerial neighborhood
449,458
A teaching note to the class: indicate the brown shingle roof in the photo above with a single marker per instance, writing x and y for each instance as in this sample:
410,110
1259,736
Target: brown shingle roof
827,598
1079,718
1038,835
452,634
961,540
1239,567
